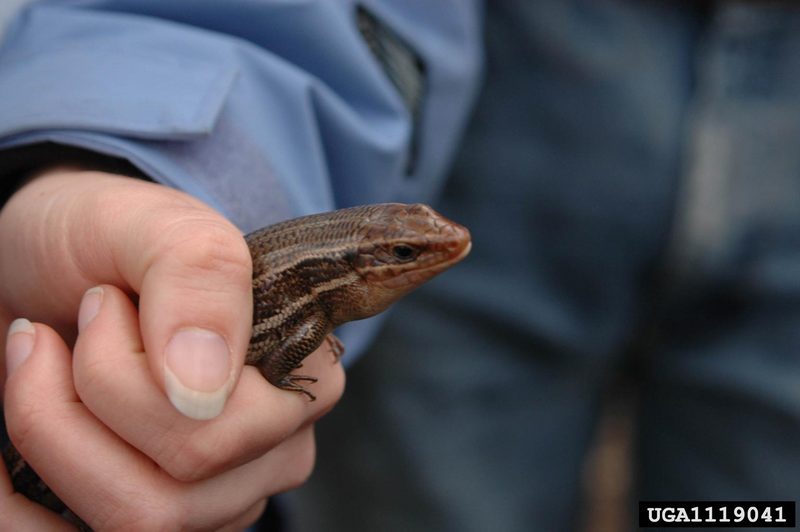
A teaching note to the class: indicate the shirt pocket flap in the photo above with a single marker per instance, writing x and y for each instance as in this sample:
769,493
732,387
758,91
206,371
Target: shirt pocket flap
133,94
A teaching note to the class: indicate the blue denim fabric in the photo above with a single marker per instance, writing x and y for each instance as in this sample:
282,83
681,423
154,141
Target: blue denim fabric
632,182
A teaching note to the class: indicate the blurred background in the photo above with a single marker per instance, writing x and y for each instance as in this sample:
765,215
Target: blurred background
627,326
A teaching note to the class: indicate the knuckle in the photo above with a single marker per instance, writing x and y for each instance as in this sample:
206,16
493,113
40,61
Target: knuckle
24,419
91,377
195,459
206,244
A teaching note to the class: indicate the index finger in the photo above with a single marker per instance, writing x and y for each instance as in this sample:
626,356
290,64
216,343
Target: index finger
112,380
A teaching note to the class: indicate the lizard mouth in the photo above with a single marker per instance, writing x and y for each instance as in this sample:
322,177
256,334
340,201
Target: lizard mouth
464,252
457,243
412,278
453,259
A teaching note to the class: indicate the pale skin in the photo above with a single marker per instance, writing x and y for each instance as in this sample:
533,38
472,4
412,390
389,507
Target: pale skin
90,410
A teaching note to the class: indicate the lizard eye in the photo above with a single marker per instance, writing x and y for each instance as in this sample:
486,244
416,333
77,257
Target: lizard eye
404,252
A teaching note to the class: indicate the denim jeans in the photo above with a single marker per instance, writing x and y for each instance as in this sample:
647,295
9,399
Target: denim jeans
631,178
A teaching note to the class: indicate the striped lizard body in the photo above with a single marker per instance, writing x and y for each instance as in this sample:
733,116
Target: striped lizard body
314,273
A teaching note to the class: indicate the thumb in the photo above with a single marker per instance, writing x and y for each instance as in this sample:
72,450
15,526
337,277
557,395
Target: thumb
189,265
196,309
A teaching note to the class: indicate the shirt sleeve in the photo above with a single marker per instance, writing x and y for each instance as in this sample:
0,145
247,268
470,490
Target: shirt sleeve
263,109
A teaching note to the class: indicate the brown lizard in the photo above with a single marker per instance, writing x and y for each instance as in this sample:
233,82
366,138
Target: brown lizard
310,275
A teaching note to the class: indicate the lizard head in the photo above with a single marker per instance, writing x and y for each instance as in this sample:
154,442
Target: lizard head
402,246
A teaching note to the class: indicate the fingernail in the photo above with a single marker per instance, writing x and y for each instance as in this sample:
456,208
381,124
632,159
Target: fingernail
197,370
90,306
19,344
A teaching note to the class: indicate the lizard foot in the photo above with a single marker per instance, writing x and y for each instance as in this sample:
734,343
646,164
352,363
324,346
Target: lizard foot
290,382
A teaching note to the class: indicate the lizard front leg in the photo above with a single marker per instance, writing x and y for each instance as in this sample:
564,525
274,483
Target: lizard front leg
297,343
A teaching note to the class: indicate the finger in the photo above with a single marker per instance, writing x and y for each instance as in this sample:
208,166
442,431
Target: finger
20,514
106,481
35,351
284,468
16,511
190,266
112,379
196,313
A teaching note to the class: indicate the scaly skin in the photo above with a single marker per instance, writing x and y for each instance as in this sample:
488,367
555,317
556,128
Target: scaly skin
314,273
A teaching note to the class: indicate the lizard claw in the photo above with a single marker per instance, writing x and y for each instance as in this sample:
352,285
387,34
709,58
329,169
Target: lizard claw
290,382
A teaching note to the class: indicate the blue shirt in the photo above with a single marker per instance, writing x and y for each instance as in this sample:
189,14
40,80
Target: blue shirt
264,110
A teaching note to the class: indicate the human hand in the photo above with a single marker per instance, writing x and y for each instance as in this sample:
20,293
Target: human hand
114,450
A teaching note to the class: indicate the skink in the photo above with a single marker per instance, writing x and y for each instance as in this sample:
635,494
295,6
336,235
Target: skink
310,275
